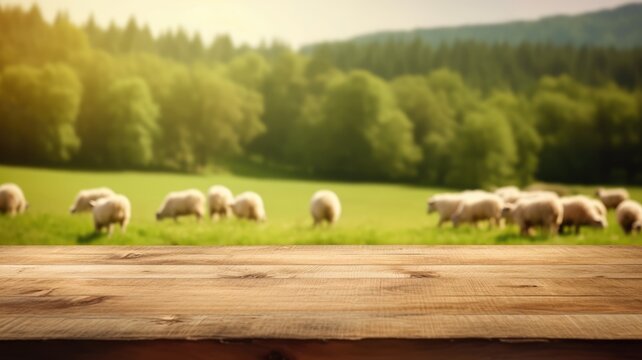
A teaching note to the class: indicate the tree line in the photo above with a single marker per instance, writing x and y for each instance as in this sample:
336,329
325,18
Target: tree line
121,98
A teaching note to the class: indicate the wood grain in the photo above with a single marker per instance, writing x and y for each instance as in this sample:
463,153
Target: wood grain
319,292
322,255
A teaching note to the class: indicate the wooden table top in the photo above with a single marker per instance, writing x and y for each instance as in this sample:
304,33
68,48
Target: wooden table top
321,292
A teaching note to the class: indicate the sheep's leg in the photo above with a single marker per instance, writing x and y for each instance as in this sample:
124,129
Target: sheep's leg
110,229
577,229
198,216
441,221
123,226
524,231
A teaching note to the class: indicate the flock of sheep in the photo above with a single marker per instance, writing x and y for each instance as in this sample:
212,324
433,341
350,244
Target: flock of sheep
109,208
526,209
544,209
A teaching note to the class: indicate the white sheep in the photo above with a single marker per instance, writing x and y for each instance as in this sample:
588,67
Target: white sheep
84,197
507,192
113,209
612,197
580,211
325,206
12,200
220,201
445,205
629,216
544,211
601,209
182,203
514,197
479,207
249,205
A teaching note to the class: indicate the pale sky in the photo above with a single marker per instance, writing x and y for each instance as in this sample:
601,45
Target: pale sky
300,22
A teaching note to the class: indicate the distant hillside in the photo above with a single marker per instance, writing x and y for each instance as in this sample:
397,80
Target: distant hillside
619,27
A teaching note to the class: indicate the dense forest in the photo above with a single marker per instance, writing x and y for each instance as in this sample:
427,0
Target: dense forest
463,114
617,27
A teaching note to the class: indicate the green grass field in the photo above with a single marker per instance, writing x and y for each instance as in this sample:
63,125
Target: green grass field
372,213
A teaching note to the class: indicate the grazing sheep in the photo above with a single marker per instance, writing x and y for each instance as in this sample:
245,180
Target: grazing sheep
544,211
12,200
629,215
249,205
113,209
611,198
84,197
512,198
445,204
479,207
325,206
601,209
507,192
182,203
220,201
580,211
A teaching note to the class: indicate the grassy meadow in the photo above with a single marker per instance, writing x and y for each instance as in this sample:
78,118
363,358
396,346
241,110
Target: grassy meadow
372,213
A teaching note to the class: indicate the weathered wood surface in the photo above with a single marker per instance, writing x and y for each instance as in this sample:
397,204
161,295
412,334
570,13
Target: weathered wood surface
321,292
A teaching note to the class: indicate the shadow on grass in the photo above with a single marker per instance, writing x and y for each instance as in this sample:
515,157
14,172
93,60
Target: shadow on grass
88,238
515,236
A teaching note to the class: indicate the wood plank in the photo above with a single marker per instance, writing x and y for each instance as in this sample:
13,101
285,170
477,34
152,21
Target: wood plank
465,349
319,271
428,286
292,302
344,326
311,255
337,292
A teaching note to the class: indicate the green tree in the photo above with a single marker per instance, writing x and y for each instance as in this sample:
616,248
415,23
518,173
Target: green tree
483,152
249,69
38,108
130,123
433,123
617,122
362,133
206,117
284,93
566,123
520,115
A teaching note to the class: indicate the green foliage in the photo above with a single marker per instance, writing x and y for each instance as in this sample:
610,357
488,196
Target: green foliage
589,134
38,108
465,113
487,66
284,93
617,27
207,117
484,151
519,114
363,133
129,124
433,121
